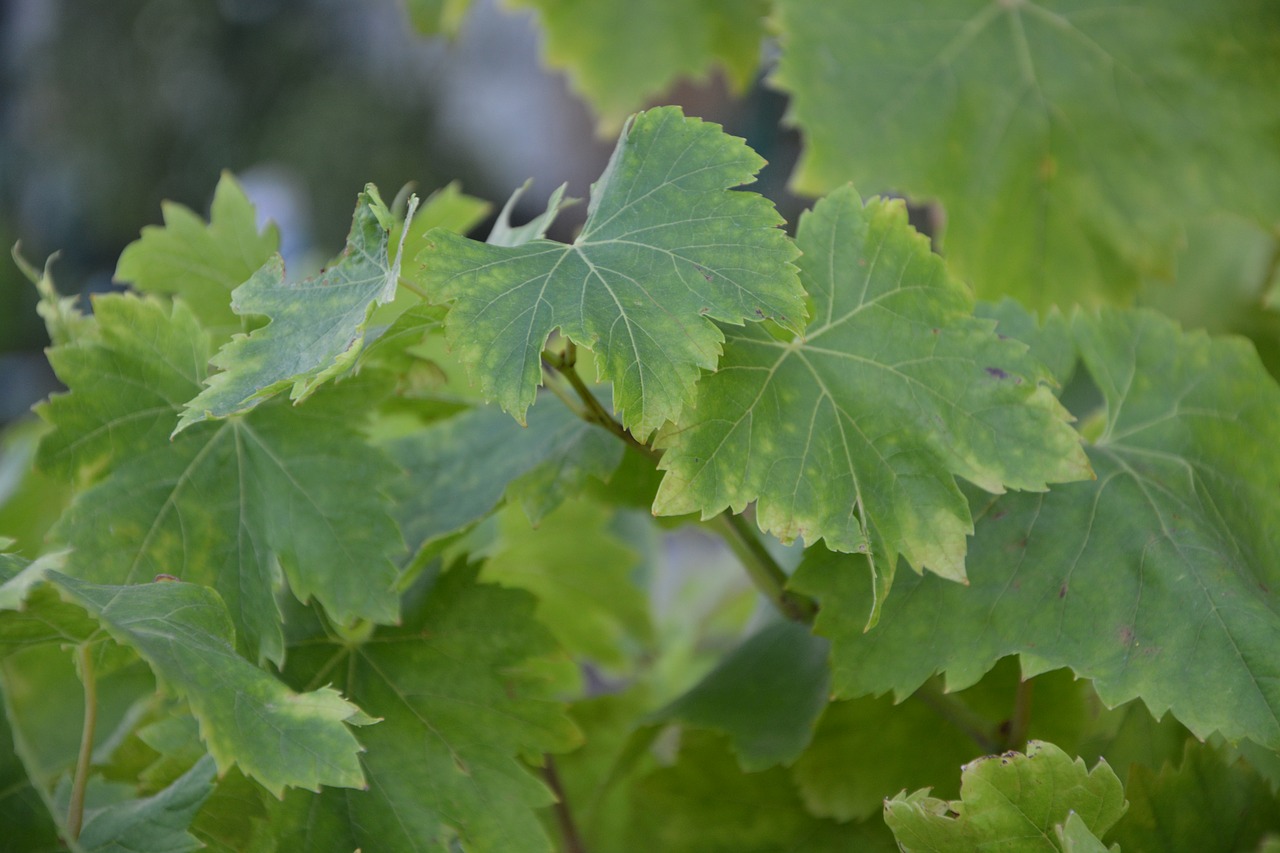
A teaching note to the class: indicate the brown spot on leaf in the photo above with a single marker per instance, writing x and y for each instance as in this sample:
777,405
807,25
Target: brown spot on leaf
162,577
1062,591
996,372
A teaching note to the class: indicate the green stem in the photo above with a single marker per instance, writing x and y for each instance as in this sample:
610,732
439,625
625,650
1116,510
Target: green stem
960,715
1020,722
564,816
595,412
75,811
763,570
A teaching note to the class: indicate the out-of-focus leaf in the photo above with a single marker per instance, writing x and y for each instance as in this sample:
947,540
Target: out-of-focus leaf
765,696
156,824
1201,804
1069,142
621,55
202,263
581,575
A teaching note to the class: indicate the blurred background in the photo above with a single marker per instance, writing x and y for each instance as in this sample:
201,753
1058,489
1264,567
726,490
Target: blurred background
108,108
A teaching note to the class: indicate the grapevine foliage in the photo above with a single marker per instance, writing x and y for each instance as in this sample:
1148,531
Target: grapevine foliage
475,582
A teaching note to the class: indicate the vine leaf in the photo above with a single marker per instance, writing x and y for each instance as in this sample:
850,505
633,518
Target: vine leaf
157,823
1068,143
1011,801
247,717
706,802
855,431
582,576
461,468
316,328
1203,802
666,249
227,504
202,263
1164,566
620,55
766,696
460,704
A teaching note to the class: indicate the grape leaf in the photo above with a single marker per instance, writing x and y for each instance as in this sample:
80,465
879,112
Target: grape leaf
437,17
766,696
31,613
198,262
224,504
460,468
317,327
157,824
665,250
706,804
1010,802
1069,142
855,431
1202,803
1074,836
458,705
27,823
247,717
620,55
581,575
1161,568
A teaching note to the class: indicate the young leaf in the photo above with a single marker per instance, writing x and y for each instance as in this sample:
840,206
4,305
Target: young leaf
619,55
228,504
666,250
247,717
1068,142
458,708
855,431
157,824
1155,580
766,696
317,326
1010,802
198,262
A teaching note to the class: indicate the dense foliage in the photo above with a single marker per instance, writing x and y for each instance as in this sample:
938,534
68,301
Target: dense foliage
1002,544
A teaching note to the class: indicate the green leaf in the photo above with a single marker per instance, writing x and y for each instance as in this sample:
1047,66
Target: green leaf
1074,836
864,750
461,468
1068,142
1163,566
317,326
1010,802
27,823
459,704
665,250
437,17
621,55
766,696
202,263
62,318
1201,804
227,504
855,431
582,576
157,824
31,613
247,717
706,804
